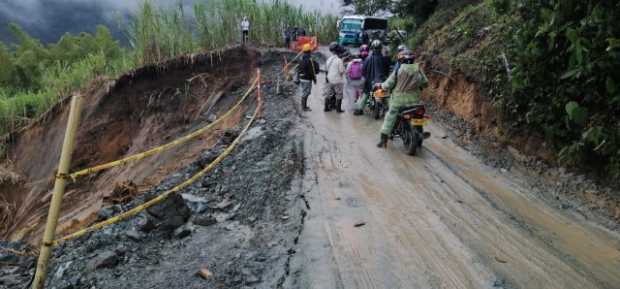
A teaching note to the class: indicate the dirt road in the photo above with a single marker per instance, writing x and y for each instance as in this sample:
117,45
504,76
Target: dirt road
382,219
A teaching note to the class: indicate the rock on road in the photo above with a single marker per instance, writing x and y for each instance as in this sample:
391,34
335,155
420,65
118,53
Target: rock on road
382,219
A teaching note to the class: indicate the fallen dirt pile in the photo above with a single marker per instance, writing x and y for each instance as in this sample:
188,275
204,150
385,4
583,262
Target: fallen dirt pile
140,110
237,227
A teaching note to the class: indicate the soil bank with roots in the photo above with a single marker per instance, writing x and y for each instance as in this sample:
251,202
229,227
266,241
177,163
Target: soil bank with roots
239,224
140,110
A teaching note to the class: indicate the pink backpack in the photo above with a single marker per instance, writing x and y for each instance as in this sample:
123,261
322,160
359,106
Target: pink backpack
355,72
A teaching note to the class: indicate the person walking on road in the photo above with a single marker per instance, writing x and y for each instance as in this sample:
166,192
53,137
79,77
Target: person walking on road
354,83
334,78
406,85
306,75
376,69
245,29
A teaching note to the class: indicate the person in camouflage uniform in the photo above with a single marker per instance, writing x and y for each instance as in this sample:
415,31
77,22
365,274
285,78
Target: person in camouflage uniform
406,85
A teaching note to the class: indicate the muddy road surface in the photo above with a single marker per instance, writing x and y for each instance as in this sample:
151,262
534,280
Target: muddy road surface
382,219
307,201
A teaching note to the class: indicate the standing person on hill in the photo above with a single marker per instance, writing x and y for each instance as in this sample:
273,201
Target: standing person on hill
376,69
306,75
245,29
334,78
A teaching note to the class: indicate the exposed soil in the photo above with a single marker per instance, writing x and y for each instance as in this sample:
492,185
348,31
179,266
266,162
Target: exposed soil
459,104
139,110
239,224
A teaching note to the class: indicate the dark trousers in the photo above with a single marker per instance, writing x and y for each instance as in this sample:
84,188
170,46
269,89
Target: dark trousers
245,36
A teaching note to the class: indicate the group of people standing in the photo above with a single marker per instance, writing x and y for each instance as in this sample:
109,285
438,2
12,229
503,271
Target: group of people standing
351,79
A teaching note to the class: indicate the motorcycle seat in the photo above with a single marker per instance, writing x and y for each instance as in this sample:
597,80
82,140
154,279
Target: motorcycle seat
409,109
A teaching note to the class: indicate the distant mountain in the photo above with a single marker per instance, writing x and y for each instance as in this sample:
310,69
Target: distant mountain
48,21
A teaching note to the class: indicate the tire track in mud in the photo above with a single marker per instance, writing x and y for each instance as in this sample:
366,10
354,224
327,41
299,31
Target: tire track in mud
433,221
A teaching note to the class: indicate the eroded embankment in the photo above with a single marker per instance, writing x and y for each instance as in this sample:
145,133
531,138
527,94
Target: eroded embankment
239,224
463,105
140,110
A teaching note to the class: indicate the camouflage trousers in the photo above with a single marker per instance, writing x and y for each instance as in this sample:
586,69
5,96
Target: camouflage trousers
333,90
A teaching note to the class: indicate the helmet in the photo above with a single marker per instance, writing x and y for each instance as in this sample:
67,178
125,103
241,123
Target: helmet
333,46
406,56
376,44
307,47
402,47
364,51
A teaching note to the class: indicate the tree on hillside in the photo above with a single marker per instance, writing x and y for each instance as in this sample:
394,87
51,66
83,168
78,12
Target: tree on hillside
419,9
6,66
371,7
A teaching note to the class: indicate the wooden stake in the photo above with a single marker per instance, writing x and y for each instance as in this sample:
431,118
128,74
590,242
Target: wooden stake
59,190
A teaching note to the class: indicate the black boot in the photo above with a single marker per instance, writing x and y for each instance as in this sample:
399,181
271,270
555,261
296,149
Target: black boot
304,104
358,112
327,106
339,106
383,142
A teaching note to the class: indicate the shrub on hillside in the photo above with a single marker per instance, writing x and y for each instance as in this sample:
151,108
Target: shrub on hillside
566,79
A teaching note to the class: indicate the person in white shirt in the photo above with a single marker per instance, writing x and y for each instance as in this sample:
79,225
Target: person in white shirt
245,28
335,80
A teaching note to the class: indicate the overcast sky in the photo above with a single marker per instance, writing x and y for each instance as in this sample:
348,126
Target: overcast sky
48,19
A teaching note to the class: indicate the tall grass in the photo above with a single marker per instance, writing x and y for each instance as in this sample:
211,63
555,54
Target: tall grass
155,34
161,33
58,80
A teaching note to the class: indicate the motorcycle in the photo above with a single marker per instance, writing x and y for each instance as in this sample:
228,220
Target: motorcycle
378,103
410,127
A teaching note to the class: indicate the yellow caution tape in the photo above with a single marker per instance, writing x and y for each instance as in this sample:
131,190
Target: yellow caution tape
165,147
168,193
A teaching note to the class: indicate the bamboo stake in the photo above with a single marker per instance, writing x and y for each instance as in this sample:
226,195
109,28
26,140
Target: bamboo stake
59,190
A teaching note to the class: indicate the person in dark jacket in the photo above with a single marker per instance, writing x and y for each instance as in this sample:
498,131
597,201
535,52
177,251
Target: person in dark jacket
306,75
376,69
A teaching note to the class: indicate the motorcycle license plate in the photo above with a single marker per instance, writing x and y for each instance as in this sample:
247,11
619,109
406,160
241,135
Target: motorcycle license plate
417,122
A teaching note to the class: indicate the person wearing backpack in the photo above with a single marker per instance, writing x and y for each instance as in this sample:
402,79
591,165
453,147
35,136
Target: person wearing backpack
354,83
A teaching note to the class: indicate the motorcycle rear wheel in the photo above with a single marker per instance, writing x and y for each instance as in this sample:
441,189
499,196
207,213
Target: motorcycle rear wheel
412,146
377,110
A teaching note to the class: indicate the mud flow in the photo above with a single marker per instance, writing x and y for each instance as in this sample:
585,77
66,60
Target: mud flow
140,110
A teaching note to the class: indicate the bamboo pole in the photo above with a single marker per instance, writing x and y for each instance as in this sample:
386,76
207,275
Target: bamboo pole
59,190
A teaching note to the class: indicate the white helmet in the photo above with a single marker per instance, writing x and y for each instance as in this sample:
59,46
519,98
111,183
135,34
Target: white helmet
376,44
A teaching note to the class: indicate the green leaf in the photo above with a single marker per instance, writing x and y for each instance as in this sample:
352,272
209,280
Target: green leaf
571,73
613,44
576,113
611,86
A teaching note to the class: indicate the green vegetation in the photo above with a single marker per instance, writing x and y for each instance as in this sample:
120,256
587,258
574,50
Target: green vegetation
550,67
566,78
33,75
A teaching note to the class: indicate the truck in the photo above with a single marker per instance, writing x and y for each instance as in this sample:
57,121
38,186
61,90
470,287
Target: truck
352,29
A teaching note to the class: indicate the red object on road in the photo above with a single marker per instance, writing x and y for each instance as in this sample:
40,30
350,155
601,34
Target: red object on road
302,40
